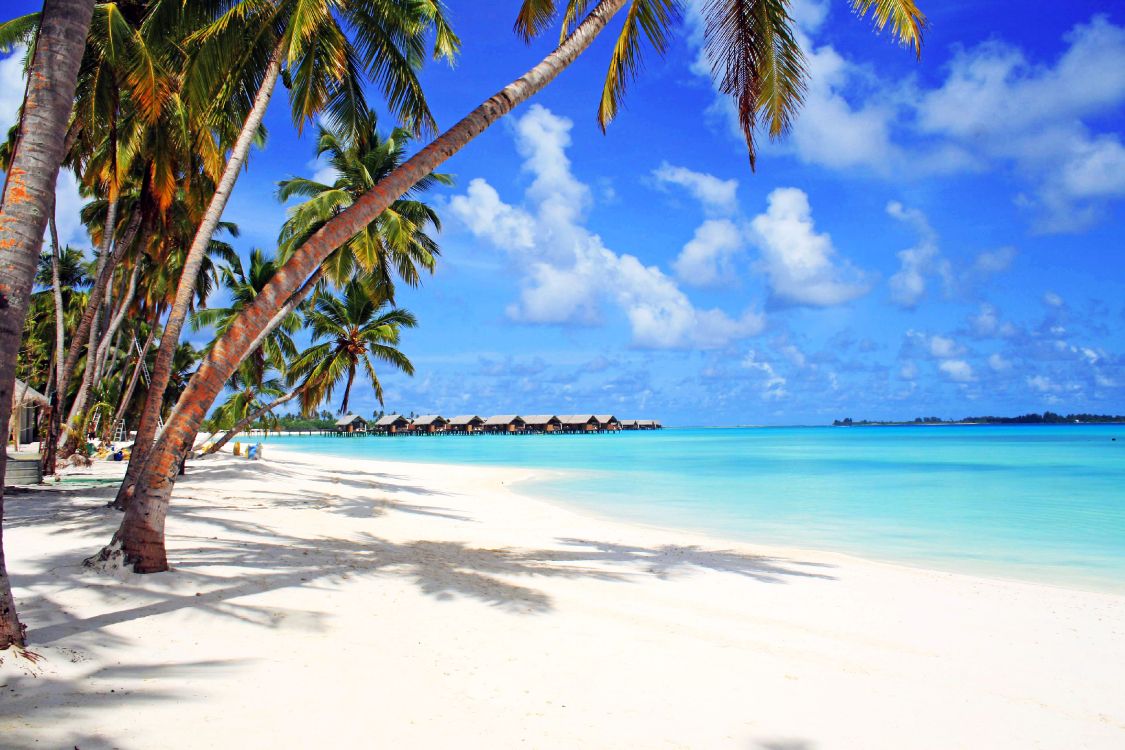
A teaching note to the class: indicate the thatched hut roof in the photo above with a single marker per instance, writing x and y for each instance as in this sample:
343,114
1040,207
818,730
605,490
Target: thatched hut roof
606,419
428,419
348,419
25,395
390,420
576,418
503,419
463,419
541,419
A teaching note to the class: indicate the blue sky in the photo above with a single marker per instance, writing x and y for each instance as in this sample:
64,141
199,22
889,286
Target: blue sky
941,237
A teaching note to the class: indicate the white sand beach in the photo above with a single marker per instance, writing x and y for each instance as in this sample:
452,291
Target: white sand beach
321,602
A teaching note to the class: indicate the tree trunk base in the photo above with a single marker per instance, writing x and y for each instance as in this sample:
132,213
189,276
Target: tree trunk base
149,557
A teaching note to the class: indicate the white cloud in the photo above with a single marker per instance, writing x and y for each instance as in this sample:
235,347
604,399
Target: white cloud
706,258
908,371
12,84
988,323
568,272
771,385
908,285
942,347
958,370
1052,299
799,263
998,363
1043,384
715,195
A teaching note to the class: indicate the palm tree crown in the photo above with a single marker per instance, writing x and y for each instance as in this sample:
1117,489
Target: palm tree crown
354,328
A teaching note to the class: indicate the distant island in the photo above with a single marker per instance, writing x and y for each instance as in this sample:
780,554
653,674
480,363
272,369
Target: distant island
1047,417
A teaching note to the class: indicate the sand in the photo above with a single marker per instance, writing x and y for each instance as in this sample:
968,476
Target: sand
322,603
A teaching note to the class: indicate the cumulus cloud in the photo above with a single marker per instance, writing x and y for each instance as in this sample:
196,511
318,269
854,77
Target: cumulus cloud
799,263
996,107
706,258
917,263
958,370
568,274
998,363
1052,300
771,385
715,195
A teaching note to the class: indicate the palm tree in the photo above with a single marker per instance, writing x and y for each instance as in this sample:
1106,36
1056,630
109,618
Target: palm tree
304,40
355,328
28,198
754,51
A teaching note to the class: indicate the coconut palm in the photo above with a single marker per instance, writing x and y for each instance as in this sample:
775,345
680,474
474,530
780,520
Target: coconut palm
27,200
302,41
754,53
354,328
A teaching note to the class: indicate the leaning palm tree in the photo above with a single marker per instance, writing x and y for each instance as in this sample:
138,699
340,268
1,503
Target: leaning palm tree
755,55
353,329
27,200
241,55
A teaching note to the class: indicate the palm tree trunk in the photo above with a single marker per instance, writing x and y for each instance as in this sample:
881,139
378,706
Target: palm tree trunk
247,421
298,297
139,541
49,445
118,317
29,194
93,305
128,395
162,368
347,390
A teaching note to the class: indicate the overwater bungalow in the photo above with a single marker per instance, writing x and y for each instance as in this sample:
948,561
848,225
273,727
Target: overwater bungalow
465,424
391,424
542,423
504,424
649,424
608,422
429,424
351,424
630,424
579,423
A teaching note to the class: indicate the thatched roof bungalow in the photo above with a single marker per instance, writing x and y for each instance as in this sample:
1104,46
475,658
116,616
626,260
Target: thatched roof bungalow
391,424
467,423
429,423
579,422
505,423
25,401
542,423
608,422
351,423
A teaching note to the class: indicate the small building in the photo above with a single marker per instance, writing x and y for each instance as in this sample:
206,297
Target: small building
608,422
630,424
579,423
428,424
391,424
467,424
505,424
351,424
542,423
26,402
648,424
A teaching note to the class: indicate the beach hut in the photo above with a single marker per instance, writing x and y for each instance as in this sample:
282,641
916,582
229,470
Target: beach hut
26,402
579,422
542,423
506,424
467,424
608,422
391,424
429,424
648,424
350,424
630,424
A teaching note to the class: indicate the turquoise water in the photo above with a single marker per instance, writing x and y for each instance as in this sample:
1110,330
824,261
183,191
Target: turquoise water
1041,503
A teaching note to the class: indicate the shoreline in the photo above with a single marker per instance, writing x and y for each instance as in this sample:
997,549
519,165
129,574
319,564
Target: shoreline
529,475
429,605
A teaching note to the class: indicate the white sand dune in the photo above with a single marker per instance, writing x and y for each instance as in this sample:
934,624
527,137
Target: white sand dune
324,603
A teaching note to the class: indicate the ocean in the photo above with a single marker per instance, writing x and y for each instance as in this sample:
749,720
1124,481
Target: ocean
1037,503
